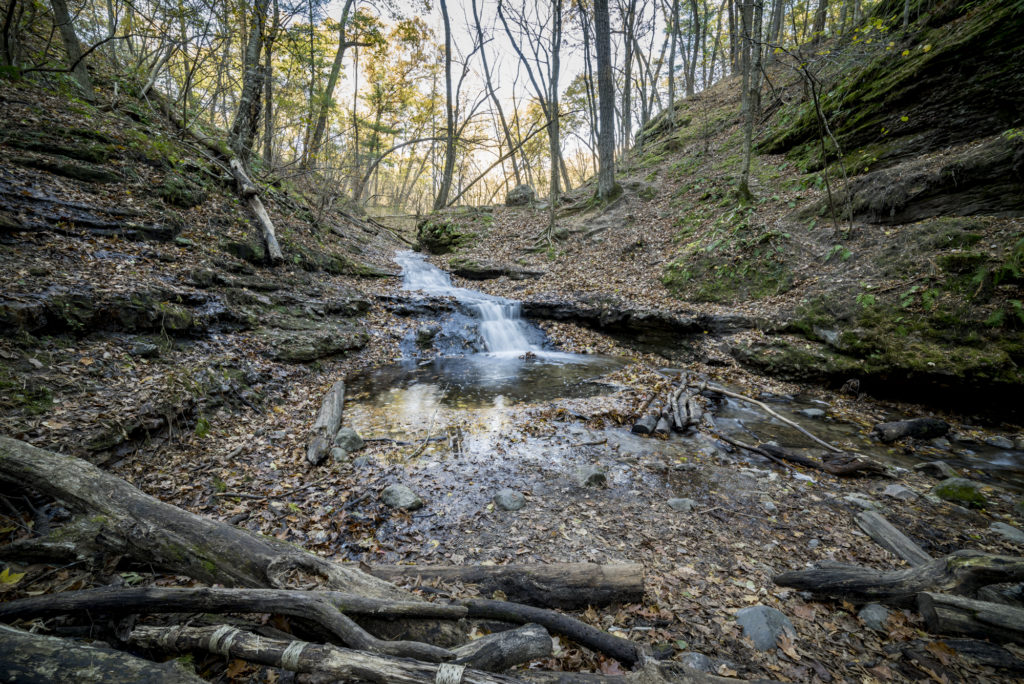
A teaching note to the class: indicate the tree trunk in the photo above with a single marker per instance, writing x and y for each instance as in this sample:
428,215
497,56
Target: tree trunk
121,520
247,115
268,92
326,424
62,19
629,27
820,15
327,97
944,614
554,148
606,185
441,200
558,585
27,658
490,90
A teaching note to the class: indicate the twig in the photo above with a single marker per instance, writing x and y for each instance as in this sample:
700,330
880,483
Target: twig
269,497
596,442
755,449
771,412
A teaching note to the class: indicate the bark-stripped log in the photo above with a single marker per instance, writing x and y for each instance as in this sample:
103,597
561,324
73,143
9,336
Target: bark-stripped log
963,572
558,585
499,651
124,521
327,422
945,614
35,658
891,539
305,657
308,606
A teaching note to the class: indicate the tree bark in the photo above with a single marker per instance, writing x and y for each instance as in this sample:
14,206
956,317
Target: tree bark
247,115
326,424
499,651
62,19
324,105
441,200
606,185
891,539
963,572
944,614
558,585
35,658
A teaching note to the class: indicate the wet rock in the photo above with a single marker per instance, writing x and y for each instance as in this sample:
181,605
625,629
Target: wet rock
939,469
1018,444
520,196
863,502
144,350
920,428
591,476
960,490
813,543
999,442
764,625
400,496
509,500
29,316
348,439
874,616
941,443
682,505
1008,532
769,506
309,345
425,335
362,461
900,492
488,270
813,413
338,455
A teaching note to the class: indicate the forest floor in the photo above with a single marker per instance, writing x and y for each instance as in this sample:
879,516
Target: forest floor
209,417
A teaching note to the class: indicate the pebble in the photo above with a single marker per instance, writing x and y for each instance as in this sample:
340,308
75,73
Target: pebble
400,496
1008,532
509,500
764,625
814,543
348,439
874,616
941,443
769,506
682,505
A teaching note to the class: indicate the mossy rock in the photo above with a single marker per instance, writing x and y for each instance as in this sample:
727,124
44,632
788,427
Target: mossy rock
87,173
252,251
961,490
180,192
442,237
961,262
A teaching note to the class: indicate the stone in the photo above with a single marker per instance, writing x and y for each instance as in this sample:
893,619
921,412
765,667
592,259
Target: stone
874,616
591,476
348,439
814,413
400,496
900,492
144,350
960,490
939,469
863,502
920,428
941,443
361,461
698,661
338,455
1008,532
813,543
1018,508
509,500
999,442
425,335
769,506
1018,444
520,196
682,505
764,625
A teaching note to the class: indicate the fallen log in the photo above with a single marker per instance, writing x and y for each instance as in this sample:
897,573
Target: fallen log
26,657
327,422
558,585
945,614
305,657
645,425
623,650
502,650
962,572
299,604
116,519
891,539
921,428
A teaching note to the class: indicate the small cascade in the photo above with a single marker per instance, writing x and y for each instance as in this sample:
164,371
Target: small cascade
503,331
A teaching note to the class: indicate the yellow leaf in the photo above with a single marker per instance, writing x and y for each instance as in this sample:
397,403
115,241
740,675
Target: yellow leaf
906,53
8,577
904,119
926,48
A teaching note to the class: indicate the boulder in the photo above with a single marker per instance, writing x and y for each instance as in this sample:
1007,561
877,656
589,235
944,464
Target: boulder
939,469
764,625
960,490
1008,532
900,492
348,439
682,505
920,428
999,442
400,496
520,196
509,500
425,335
813,413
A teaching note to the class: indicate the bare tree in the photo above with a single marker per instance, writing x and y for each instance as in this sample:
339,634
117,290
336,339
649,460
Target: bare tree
606,185
494,97
62,19
247,115
441,200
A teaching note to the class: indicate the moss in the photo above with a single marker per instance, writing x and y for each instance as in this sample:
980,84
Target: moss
180,192
443,236
961,262
960,490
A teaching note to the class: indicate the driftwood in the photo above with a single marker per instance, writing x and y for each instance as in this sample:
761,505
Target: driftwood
891,539
645,424
623,650
326,424
305,605
499,651
558,585
301,656
962,572
945,614
26,657
982,652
